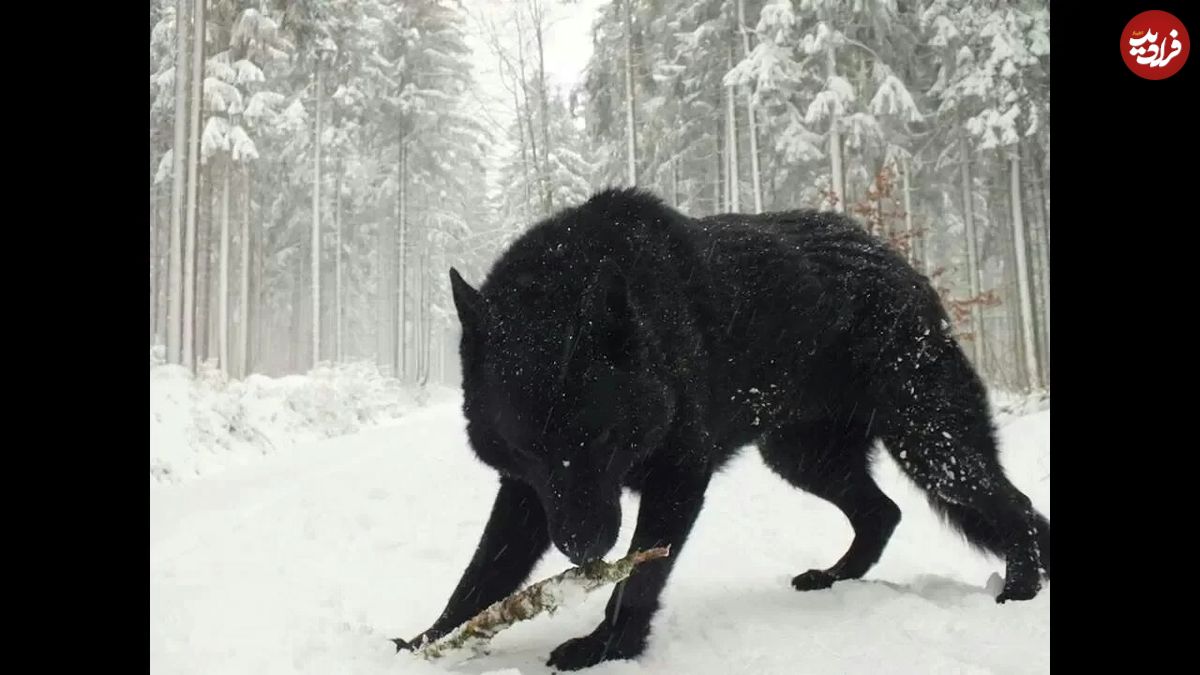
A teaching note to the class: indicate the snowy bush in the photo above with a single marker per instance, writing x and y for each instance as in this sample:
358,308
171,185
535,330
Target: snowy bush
203,423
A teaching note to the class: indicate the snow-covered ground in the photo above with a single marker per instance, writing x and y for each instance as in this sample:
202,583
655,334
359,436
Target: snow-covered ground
307,561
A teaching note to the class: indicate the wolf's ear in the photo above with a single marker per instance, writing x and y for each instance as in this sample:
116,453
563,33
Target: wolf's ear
472,312
611,328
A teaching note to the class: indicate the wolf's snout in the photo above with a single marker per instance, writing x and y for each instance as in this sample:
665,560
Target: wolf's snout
580,549
584,533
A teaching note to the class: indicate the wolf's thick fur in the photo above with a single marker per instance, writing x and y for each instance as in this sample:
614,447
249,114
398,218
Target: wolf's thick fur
621,344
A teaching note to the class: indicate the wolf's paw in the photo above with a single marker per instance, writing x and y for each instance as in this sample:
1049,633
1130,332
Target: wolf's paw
813,580
601,645
417,642
1020,589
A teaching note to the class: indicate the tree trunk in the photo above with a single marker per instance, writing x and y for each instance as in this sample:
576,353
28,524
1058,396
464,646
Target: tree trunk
1037,269
630,131
204,244
189,270
154,244
440,343
337,266
402,269
1015,345
383,303
908,220
257,313
675,181
1028,335
969,227
244,286
526,117
223,311
524,157
927,243
163,270
885,225
1044,237
547,188
731,143
296,343
175,283
316,226
214,264
750,114
421,337
837,176
719,183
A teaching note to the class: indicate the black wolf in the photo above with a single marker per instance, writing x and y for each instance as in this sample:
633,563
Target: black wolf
621,344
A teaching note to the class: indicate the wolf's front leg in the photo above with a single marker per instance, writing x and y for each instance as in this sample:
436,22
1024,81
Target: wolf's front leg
671,500
512,543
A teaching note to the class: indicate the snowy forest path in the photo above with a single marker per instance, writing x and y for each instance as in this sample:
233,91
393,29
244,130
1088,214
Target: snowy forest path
309,561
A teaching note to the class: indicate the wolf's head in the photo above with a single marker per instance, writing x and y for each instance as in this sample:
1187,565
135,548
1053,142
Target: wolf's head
560,382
